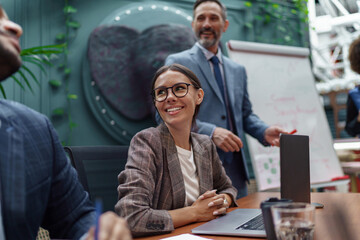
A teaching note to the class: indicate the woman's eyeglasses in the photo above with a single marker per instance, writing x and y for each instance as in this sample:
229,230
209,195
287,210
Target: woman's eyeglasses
180,90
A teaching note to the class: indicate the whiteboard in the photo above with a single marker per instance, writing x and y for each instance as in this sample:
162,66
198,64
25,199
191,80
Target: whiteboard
282,91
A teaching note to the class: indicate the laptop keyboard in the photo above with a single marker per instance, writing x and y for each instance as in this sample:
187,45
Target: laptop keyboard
255,223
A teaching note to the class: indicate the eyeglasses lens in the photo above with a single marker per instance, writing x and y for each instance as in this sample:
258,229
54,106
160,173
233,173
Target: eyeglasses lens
179,90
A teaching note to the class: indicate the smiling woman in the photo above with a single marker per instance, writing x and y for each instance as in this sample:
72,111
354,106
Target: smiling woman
180,80
173,176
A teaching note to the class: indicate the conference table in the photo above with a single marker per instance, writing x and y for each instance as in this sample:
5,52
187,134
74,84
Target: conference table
339,219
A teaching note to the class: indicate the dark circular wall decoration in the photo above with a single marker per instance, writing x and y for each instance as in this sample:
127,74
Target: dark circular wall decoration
124,52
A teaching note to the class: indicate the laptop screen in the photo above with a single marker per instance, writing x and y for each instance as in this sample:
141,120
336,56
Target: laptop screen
295,167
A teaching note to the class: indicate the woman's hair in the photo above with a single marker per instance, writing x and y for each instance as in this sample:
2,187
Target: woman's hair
185,71
354,55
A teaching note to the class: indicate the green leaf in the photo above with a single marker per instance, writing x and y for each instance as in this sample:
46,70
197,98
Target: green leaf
257,17
60,36
2,91
67,71
41,59
267,18
72,96
281,29
248,4
58,112
72,125
73,24
69,9
18,82
56,48
275,6
293,11
248,25
26,80
287,38
55,83
276,15
36,63
31,74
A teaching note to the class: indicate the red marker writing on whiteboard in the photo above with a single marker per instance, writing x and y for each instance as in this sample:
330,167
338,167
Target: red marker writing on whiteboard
293,131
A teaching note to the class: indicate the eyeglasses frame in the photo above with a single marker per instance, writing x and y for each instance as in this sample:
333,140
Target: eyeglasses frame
172,90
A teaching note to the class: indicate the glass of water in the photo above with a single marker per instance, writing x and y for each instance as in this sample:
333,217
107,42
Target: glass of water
294,221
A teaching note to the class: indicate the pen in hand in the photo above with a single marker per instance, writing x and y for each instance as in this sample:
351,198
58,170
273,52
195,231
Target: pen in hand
98,211
293,131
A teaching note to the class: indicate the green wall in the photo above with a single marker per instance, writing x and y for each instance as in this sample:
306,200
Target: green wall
43,19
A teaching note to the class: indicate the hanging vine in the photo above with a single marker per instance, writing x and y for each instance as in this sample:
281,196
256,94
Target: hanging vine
277,12
66,38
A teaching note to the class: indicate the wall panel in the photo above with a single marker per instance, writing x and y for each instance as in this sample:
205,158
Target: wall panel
43,19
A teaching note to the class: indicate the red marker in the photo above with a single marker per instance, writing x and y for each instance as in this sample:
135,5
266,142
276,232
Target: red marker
293,131
340,178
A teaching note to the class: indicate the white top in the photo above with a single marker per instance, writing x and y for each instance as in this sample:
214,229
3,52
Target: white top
191,178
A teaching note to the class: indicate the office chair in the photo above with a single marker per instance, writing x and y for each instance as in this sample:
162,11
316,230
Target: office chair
98,168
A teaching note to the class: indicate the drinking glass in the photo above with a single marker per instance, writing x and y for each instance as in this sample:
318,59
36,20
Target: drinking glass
294,221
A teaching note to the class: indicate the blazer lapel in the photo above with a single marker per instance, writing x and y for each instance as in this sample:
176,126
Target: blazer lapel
12,172
204,65
176,177
202,164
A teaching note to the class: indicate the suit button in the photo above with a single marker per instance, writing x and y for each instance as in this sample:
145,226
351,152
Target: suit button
223,117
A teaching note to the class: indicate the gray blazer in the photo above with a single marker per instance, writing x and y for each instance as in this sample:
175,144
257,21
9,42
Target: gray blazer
152,182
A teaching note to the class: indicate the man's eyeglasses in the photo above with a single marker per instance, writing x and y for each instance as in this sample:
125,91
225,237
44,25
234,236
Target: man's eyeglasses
180,90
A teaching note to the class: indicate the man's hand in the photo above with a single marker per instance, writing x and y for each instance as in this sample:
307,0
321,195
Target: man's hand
226,140
111,227
272,135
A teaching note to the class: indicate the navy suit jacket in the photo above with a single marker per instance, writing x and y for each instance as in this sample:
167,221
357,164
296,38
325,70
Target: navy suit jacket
39,187
213,109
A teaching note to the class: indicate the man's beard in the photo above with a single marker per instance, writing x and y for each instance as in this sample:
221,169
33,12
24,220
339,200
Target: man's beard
206,43
10,61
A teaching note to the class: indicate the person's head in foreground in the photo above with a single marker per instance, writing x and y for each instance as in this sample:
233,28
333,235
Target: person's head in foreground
10,33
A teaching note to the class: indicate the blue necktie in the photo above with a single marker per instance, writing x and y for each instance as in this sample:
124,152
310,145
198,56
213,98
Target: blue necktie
228,156
218,76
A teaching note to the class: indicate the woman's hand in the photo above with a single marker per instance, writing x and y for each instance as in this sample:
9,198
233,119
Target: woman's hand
209,205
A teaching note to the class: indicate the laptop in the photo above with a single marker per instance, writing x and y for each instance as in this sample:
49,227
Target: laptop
295,185
240,222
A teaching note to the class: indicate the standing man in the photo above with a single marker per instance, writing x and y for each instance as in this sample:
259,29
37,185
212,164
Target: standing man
226,111
38,186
